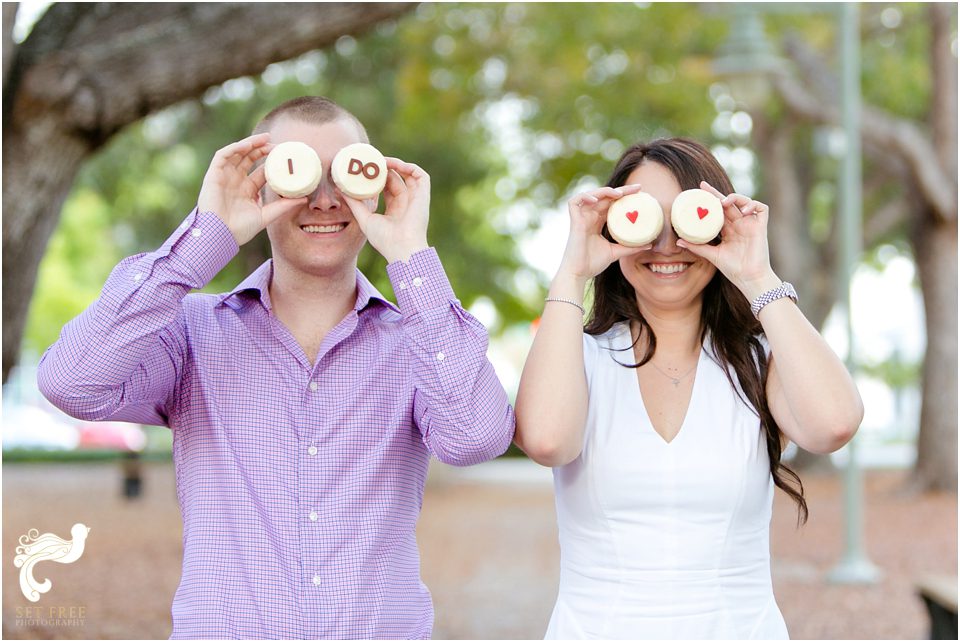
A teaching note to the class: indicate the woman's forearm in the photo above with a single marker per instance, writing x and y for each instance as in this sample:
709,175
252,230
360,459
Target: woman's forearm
813,383
551,406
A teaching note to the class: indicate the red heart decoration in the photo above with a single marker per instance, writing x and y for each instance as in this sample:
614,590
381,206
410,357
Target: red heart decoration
632,216
702,212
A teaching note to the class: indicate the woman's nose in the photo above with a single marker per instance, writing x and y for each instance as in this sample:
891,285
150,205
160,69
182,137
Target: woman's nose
666,243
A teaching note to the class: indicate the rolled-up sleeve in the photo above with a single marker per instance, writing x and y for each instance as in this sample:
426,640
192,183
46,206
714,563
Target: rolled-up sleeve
460,406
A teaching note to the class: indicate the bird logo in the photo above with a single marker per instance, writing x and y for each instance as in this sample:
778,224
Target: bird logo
35,548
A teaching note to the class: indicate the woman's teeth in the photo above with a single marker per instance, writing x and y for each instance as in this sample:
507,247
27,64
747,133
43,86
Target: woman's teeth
323,229
668,268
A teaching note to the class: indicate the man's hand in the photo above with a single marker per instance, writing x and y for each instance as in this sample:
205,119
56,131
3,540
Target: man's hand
233,194
402,229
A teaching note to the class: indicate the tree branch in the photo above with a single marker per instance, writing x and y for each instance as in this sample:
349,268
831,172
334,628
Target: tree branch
166,52
884,221
943,64
886,133
9,46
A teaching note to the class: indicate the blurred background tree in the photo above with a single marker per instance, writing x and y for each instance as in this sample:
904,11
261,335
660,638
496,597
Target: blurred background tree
909,131
87,70
511,108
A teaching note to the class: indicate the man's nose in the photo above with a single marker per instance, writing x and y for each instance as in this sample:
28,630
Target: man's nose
325,196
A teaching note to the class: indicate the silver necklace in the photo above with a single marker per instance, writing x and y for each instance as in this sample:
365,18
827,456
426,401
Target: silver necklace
674,380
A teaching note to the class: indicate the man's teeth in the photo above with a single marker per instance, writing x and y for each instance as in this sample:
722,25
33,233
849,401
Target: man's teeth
668,268
323,229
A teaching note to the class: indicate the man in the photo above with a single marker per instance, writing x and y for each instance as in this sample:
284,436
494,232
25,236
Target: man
304,406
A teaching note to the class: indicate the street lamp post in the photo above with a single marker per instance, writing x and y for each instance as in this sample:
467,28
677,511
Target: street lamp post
751,58
854,567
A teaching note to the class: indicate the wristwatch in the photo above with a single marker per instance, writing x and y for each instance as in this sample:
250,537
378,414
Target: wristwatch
779,292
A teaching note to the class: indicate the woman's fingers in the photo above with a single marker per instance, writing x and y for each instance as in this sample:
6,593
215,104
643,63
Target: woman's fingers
596,196
731,203
620,251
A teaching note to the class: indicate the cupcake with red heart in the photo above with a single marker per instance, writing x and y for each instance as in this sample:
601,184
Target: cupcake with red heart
635,220
697,216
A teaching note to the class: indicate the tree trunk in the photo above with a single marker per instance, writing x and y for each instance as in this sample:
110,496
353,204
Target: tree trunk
89,69
923,158
936,256
795,256
39,165
935,252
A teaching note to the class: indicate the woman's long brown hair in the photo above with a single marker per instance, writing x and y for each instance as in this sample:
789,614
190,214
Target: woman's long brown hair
725,314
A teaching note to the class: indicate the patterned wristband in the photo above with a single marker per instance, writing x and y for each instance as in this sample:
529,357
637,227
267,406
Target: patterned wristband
779,292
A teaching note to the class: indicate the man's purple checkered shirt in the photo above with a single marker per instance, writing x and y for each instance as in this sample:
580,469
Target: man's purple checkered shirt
299,485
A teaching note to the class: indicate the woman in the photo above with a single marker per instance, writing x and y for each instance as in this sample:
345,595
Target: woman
665,418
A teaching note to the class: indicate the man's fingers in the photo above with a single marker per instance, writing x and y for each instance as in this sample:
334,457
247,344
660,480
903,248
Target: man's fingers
395,185
280,208
360,211
234,153
254,155
259,178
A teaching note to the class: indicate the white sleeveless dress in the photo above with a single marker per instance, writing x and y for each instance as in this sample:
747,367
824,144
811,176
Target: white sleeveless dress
664,540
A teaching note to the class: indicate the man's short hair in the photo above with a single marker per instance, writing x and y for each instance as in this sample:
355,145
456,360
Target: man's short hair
316,110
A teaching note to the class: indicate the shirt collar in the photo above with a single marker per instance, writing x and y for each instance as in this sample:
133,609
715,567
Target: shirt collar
258,285
367,291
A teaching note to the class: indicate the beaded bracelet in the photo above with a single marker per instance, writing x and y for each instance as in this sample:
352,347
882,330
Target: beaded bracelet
573,303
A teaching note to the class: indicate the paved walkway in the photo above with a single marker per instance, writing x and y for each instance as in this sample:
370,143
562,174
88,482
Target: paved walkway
489,553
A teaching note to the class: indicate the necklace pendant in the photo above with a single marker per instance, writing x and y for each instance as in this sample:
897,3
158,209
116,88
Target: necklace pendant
676,382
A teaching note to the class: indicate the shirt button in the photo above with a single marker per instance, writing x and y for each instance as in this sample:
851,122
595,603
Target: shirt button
316,580
313,516
403,285
196,231
441,356
314,386
312,450
417,282
137,277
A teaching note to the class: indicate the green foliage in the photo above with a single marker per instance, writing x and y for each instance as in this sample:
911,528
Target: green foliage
895,372
502,104
79,257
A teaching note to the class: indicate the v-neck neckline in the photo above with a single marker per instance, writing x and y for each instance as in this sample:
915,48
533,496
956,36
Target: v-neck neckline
635,381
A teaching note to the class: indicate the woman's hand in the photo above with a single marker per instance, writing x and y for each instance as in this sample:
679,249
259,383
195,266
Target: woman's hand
233,194
402,228
588,253
743,255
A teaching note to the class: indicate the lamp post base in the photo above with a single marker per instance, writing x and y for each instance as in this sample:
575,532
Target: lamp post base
854,569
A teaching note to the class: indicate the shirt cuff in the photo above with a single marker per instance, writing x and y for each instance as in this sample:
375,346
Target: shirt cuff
420,283
203,244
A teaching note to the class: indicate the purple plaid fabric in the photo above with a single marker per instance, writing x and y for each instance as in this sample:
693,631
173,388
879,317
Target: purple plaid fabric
299,485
